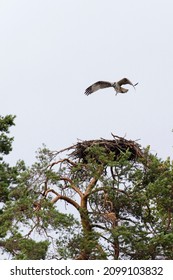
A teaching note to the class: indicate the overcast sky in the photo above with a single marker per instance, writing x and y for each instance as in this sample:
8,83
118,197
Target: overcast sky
51,51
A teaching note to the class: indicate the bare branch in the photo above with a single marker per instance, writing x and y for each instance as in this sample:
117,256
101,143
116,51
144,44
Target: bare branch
72,185
61,161
62,197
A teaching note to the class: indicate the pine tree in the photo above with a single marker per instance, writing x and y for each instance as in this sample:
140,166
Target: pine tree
98,199
12,203
123,196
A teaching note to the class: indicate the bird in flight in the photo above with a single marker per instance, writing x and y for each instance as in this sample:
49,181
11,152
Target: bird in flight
116,85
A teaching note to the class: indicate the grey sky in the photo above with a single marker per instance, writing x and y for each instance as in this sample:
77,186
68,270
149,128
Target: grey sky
51,50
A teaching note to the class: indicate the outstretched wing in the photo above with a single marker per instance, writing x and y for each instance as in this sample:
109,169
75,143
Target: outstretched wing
126,81
96,86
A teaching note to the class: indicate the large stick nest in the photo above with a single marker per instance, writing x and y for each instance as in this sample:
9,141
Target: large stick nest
117,146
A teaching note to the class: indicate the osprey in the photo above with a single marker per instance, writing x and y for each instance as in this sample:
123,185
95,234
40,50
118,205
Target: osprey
116,85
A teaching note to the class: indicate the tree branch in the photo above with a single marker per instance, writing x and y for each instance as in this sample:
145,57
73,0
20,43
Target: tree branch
72,185
63,197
